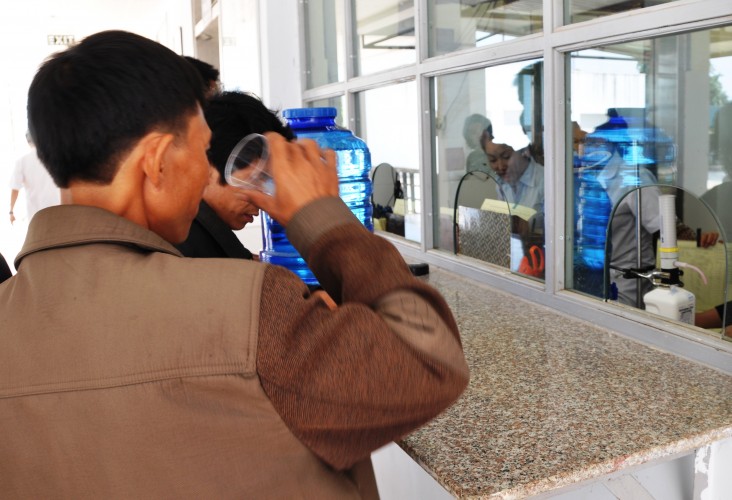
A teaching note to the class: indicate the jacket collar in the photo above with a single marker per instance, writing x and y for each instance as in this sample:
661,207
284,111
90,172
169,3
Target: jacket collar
72,225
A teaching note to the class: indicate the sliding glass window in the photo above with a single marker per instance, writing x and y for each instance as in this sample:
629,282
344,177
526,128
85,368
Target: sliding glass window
488,165
460,24
387,120
538,145
651,118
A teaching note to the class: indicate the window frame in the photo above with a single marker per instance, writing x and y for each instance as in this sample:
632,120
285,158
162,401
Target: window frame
553,45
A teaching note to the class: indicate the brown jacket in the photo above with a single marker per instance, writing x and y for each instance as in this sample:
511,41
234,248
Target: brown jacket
127,371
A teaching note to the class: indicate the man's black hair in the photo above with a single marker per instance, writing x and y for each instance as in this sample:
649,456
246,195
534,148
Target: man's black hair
208,73
88,105
231,116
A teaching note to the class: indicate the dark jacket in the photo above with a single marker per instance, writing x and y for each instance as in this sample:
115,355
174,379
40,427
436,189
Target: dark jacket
212,237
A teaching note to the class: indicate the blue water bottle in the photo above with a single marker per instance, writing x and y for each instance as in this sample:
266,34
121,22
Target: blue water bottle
592,218
593,215
354,165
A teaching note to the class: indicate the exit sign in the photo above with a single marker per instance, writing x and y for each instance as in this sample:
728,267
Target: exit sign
60,39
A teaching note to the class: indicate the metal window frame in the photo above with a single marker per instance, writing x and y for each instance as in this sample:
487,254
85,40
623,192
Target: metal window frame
553,44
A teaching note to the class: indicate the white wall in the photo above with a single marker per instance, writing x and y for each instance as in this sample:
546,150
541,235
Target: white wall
281,76
24,28
279,73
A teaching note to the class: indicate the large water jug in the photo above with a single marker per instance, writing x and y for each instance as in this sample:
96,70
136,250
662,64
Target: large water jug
593,215
592,218
354,165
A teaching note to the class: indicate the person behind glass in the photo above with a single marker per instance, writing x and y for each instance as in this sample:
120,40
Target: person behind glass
168,377
719,198
477,129
712,318
624,246
224,208
209,74
30,174
521,180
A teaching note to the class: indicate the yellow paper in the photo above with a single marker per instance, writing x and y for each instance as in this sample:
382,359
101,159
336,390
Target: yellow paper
502,207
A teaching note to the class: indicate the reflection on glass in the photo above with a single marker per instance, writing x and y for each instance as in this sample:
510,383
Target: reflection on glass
387,119
324,32
582,10
719,198
332,102
383,35
683,270
644,113
462,24
720,186
490,121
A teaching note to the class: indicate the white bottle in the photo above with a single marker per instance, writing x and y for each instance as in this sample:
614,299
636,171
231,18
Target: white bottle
671,302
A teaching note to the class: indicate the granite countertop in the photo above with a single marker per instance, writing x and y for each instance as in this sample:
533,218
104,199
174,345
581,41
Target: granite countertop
553,400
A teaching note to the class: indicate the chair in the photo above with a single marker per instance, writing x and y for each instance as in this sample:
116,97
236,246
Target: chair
478,233
386,191
386,186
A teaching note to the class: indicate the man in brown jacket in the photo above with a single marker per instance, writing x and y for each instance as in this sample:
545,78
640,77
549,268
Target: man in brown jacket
129,371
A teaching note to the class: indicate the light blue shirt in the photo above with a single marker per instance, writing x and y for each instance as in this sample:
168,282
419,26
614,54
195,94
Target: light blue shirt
529,192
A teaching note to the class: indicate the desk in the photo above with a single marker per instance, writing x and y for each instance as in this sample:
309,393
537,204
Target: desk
554,401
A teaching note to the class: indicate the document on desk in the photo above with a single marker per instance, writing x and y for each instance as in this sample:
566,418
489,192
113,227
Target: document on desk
503,207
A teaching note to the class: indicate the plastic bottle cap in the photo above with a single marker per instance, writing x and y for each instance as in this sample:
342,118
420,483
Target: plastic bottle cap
309,113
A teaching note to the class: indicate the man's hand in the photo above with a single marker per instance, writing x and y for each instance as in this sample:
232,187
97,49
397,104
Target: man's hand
302,173
708,239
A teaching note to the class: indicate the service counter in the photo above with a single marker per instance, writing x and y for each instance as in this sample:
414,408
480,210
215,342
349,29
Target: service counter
555,402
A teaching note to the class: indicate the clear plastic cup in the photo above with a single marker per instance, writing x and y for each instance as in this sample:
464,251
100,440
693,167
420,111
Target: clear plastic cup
248,165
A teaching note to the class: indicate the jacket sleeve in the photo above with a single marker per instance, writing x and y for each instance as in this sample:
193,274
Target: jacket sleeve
387,360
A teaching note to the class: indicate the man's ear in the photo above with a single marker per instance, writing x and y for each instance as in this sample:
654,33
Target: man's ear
153,149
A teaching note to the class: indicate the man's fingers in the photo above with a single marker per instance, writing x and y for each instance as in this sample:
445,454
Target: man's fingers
257,198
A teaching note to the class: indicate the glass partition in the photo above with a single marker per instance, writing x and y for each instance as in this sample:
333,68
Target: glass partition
460,24
642,113
491,120
388,120
664,253
641,90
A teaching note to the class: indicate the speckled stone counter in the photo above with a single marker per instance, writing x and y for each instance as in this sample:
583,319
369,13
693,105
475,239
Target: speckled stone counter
553,401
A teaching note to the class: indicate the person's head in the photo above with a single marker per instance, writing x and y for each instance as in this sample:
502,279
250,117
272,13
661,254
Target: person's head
121,113
209,75
231,117
475,128
505,161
